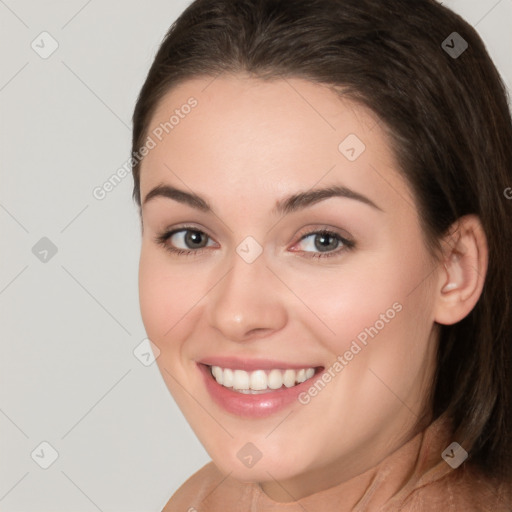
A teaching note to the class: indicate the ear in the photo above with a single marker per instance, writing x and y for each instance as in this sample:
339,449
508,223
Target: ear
463,270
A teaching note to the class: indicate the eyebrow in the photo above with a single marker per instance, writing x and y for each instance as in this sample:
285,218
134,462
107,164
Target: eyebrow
284,206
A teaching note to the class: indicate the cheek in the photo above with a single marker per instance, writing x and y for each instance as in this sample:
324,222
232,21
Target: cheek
376,314
342,304
167,310
384,314
382,336
164,297
154,296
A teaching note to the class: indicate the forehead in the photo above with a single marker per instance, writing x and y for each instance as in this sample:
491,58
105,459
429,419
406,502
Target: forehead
249,136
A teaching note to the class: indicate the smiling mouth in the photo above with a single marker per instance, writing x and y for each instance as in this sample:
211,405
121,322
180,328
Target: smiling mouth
261,381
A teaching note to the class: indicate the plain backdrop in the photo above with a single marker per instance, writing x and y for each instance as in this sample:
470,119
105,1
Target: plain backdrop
74,396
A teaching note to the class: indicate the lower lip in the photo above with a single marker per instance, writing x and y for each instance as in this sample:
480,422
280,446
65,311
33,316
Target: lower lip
254,406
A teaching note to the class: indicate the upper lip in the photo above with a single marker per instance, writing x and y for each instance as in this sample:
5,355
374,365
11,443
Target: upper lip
250,365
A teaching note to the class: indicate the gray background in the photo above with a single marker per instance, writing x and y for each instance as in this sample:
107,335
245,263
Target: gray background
70,323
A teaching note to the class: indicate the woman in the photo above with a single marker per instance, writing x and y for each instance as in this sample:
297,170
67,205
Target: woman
325,246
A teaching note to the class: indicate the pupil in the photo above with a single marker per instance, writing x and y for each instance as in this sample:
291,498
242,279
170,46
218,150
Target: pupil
323,244
194,237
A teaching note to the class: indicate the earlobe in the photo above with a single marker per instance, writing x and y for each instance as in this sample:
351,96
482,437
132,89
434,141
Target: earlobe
464,268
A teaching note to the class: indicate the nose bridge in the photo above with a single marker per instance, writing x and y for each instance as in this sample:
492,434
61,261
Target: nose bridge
246,300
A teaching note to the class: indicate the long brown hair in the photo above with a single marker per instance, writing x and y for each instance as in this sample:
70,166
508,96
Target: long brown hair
451,131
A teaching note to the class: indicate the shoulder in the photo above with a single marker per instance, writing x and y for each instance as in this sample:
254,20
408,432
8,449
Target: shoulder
462,489
198,485
210,488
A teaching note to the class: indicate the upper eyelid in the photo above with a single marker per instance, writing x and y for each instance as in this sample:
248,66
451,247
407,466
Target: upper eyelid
173,231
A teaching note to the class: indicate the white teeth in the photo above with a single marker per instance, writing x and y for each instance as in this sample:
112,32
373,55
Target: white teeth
227,377
241,380
289,378
217,373
260,380
275,379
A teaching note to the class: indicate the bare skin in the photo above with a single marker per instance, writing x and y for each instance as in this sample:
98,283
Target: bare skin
246,145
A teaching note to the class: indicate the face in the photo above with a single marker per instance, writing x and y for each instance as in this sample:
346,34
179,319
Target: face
334,288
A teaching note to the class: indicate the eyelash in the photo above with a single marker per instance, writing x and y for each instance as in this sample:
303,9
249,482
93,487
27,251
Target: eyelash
348,244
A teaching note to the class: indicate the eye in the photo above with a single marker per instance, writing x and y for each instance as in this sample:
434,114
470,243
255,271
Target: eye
192,241
326,242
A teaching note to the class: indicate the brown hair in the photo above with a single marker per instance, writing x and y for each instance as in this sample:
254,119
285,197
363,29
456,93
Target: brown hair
451,132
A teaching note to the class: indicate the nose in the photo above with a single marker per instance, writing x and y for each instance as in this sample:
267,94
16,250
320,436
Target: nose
247,303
